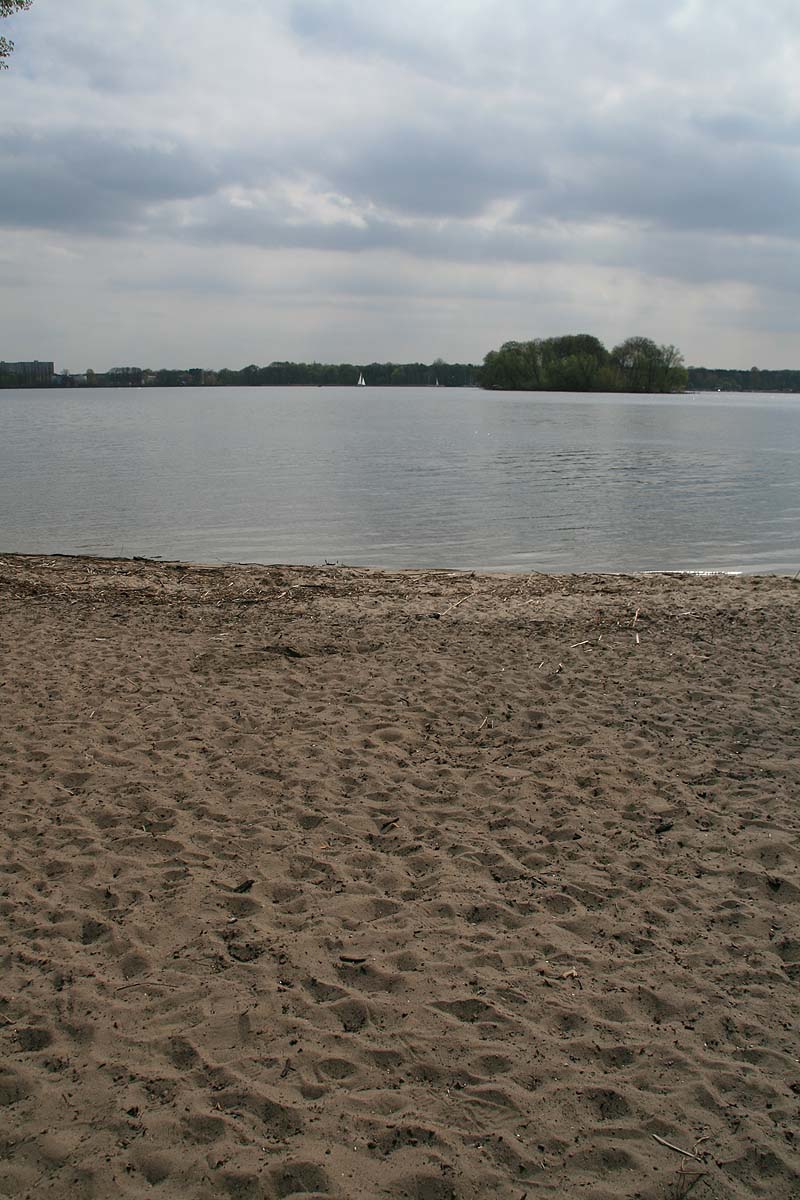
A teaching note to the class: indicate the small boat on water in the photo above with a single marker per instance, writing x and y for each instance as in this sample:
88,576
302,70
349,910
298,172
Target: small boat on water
361,380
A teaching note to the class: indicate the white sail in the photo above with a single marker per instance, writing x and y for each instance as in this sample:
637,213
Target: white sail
361,380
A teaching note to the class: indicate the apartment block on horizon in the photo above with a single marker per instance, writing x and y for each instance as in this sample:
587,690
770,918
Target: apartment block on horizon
29,373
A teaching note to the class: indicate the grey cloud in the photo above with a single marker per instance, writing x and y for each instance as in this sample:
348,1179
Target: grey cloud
270,226
702,259
109,49
691,255
83,182
737,126
769,318
438,172
447,165
91,182
671,180
333,27
356,31
201,283
121,69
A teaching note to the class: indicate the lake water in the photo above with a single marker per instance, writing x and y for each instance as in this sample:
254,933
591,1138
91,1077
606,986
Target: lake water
405,477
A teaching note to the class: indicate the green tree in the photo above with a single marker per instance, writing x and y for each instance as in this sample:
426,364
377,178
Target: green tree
675,375
514,367
7,9
645,367
580,362
570,363
573,362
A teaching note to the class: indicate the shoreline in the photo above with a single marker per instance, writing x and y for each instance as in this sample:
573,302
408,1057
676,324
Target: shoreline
39,557
365,883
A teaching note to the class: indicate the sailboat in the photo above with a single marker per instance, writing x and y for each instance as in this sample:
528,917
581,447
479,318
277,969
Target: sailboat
361,380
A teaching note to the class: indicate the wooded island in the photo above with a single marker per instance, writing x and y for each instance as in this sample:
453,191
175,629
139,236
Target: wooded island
580,363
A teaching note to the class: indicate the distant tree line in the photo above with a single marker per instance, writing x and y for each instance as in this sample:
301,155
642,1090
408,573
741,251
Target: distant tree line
708,379
276,374
581,363
286,374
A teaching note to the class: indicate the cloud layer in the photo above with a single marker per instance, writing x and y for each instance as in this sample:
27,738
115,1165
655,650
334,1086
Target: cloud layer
338,179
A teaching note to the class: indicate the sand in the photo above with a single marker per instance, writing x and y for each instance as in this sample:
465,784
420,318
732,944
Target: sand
422,885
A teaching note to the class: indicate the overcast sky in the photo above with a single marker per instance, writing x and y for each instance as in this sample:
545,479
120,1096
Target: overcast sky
213,184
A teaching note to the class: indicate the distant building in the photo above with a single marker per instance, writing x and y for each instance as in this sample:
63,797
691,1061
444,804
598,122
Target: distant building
29,374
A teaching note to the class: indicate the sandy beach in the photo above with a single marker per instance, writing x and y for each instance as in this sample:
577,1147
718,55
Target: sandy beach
425,885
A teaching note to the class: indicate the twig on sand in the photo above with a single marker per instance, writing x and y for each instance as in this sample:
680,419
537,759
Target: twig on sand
483,722
433,571
677,1149
635,618
461,601
173,987
575,645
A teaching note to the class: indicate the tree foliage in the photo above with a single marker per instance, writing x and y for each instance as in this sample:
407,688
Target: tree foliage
7,9
646,367
581,363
